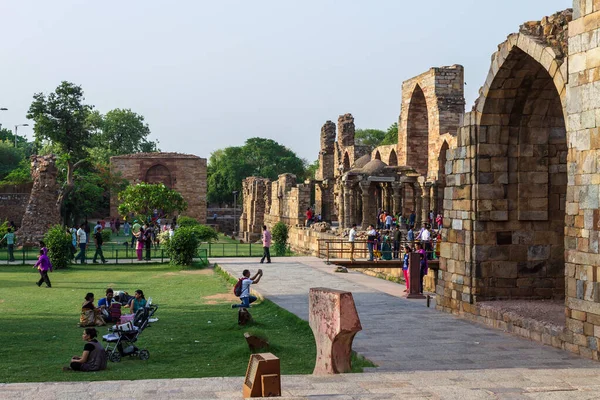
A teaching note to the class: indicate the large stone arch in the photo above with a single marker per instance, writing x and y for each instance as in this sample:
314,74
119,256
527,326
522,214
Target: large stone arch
521,174
377,155
393,159
159,173
417,132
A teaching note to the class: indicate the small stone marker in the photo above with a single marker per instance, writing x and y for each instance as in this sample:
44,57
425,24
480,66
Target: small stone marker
255,342
334,321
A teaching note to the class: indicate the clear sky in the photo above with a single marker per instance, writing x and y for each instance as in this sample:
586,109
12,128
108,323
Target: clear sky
207,75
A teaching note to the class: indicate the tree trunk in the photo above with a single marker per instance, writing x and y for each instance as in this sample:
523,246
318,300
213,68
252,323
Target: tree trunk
68,186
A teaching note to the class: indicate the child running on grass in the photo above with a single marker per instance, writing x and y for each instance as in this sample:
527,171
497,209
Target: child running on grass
43,265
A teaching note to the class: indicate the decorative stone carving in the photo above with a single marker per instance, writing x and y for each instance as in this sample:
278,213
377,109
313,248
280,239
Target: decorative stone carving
334,321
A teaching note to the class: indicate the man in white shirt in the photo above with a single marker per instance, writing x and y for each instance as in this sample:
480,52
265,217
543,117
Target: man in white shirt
351,239
425,237
388,221
246,297
82,242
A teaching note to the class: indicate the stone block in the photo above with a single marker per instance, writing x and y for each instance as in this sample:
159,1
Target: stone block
334,321
578,315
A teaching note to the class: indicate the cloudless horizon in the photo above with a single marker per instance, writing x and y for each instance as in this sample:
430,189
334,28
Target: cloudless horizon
207,75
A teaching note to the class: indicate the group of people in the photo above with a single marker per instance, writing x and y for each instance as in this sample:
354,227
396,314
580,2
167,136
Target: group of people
311,218
108,309
387,220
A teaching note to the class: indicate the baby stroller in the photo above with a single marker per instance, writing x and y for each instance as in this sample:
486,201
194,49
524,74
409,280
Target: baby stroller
121,338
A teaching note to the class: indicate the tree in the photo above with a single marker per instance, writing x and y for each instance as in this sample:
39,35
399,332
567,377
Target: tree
120,131
391,136
10,158
142,199
311,169
8,135
257,157
62,118
369,137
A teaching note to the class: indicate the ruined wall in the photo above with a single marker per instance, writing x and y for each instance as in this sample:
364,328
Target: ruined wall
582,204
289,201
182,172
42,211
326,172
431,112
388,154
13,201
255,200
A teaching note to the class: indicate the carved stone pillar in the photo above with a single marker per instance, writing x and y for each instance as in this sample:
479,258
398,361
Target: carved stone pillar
426,202
366,204
418,202
347,208
434,199
396,197
341,210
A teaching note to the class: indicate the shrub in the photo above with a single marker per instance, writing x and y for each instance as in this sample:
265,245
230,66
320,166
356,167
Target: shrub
59,246
187,221
280,237
3,231
106,233
182,247
205,233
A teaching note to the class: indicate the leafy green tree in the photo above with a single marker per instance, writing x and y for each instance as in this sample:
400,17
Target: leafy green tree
19,175
61,117
8,135
10,158
369,137
257,157
391,136
120,131
183,246
142,199
311,169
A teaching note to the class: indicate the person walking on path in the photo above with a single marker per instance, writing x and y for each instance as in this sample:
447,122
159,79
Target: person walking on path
266,239
140,245
245,297
43,265
410,235
82,243
351,240
388,221
10,242
412,219
99,241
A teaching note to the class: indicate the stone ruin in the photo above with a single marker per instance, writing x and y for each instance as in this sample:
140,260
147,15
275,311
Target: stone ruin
42,211
517,178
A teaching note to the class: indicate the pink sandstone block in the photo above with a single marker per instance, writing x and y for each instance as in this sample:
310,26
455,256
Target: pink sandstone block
334,321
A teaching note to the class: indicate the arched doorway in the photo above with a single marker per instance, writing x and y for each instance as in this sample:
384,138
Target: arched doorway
378,155
346,162
441,178
522,182
417,146
159,174
393,160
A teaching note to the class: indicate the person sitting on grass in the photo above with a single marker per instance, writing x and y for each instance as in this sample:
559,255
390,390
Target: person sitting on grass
138,301
245,296
93,357
90,315
107,305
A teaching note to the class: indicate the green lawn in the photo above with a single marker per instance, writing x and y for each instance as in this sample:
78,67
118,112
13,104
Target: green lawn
196,336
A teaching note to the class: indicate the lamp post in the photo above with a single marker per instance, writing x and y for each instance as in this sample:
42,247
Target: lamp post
235,193
3,109
16,130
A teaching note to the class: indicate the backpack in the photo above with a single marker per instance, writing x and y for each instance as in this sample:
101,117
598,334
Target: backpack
237,289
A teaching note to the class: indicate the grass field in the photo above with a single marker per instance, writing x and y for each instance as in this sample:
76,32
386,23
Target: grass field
196,336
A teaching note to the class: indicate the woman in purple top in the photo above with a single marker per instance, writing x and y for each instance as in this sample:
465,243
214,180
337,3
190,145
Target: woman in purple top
43,265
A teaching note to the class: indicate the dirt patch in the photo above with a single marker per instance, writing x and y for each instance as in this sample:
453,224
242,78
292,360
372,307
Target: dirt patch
197,272
220,298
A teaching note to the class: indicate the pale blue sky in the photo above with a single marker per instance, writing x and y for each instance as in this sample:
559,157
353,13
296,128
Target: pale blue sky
207,75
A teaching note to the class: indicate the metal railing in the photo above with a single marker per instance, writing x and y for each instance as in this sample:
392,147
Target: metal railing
342,249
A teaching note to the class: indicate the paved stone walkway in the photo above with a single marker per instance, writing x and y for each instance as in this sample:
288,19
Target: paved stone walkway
400,334
421,353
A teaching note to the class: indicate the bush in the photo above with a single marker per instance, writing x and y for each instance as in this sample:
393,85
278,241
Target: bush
106,234
182,247
205,233
280,237
59,246
3,231
187,221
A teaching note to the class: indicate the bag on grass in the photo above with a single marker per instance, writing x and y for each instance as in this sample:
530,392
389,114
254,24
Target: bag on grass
237,289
